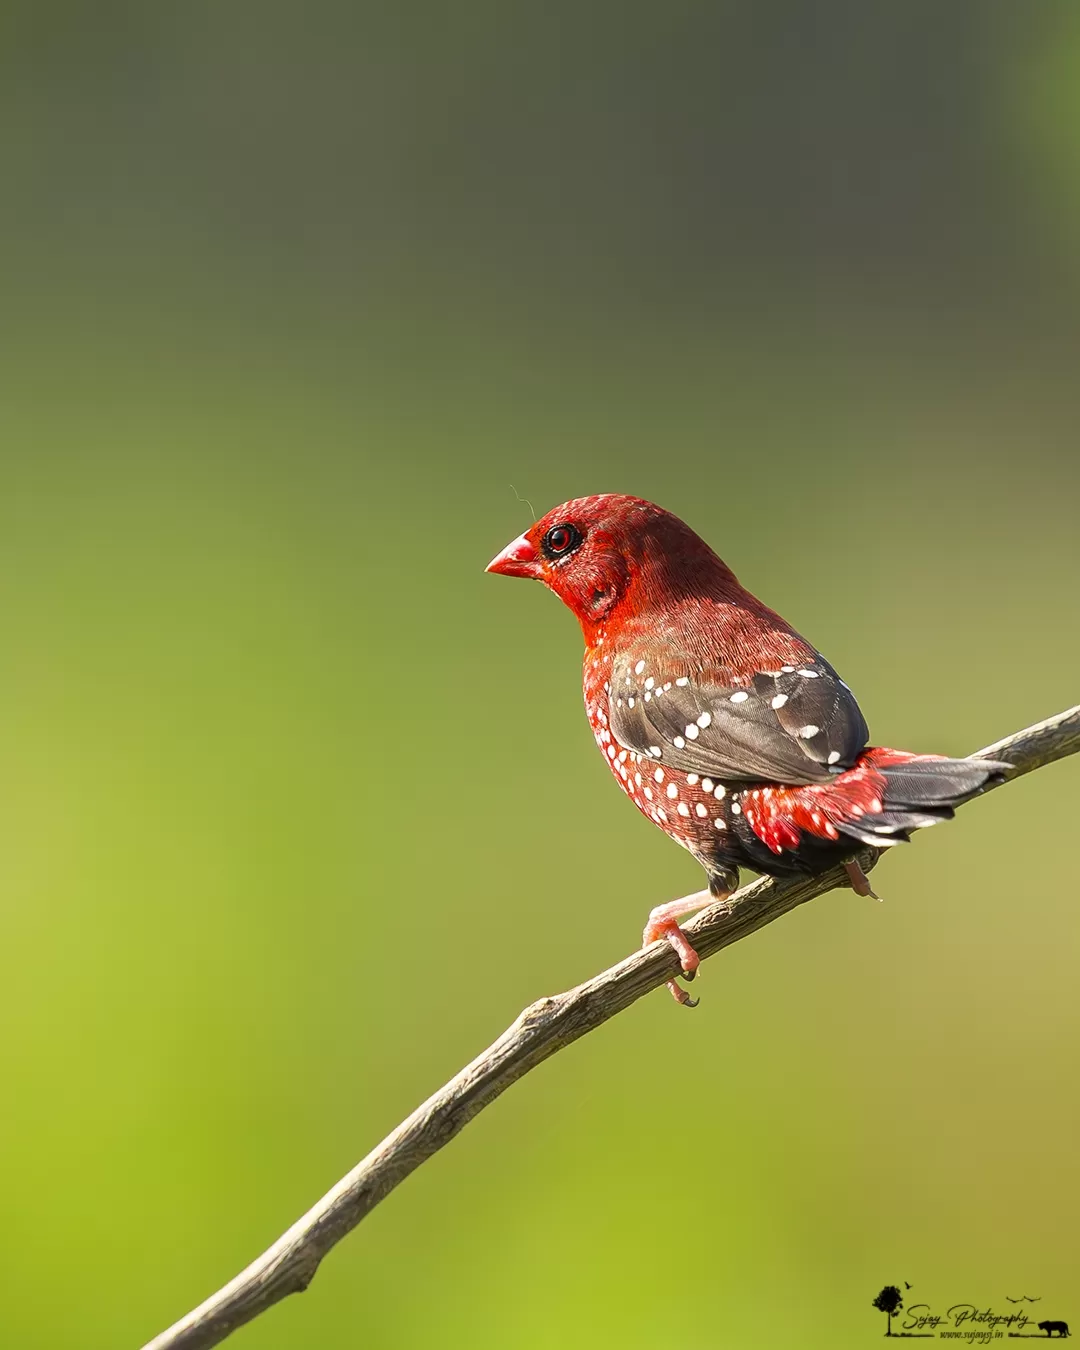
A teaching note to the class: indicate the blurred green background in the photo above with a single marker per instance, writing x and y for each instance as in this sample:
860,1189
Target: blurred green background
300,808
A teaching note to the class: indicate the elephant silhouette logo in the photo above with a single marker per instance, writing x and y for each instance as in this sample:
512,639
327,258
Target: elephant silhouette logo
1062,1328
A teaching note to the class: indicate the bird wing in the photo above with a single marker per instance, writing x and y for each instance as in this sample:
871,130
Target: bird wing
792,725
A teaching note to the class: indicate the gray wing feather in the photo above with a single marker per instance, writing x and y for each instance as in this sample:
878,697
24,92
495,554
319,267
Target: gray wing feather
789,726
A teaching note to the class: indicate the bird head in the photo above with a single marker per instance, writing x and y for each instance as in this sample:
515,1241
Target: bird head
611,552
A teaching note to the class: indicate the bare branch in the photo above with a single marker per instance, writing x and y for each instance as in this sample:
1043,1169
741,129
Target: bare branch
541,1030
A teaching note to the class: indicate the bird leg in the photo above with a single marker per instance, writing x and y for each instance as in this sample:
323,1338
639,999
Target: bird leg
663,923
860,882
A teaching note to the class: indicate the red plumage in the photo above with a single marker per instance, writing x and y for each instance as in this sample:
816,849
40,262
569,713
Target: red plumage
721,723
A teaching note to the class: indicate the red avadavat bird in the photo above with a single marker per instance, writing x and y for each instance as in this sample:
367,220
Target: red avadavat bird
721,723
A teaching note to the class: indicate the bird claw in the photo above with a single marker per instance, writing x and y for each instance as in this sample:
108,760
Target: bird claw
663,926
669,931
859,881
679,994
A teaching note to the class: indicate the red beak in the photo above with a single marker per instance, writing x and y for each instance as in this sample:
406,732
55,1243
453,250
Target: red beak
518,559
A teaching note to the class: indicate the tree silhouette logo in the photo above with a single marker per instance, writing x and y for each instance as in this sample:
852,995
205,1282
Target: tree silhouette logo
889,1301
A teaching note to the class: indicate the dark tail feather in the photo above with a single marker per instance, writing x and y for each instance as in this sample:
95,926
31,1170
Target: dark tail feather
939,782
922,792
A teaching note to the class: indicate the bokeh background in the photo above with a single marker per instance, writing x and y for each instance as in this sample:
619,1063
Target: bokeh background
299,808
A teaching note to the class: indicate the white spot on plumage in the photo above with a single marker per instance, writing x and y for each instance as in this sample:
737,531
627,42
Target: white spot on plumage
736,808
611,751
655,750
707,784
740,697
692,731
720,793
637,779
649,682
672,791
691,778
720,823
662,814
682,681
834,756
704,720
659,775
684,810
678,742
809,731
630,701
648,792
779,701
808,674
702,810
639,667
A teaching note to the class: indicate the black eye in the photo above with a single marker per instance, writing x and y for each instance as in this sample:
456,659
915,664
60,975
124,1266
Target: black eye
561,539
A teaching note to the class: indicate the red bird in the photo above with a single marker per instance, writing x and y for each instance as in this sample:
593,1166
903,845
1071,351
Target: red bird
719,722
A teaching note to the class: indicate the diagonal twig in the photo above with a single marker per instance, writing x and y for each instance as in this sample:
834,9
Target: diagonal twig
544,1028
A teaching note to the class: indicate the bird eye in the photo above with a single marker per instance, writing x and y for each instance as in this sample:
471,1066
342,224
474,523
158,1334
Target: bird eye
561,539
